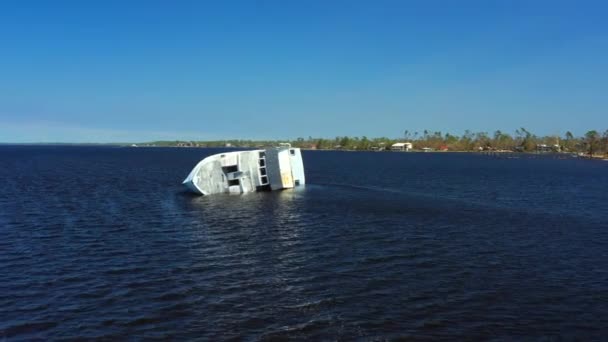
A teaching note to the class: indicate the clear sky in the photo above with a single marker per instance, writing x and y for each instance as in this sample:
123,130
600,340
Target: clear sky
99,71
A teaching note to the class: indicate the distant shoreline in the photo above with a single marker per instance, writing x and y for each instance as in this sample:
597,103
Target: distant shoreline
487,152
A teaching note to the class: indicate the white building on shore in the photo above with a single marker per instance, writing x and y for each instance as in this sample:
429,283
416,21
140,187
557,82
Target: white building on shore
402,146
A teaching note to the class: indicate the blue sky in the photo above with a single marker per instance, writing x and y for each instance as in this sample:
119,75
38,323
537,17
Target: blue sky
100,71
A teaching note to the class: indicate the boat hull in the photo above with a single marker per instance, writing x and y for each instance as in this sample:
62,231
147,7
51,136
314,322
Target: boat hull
247,171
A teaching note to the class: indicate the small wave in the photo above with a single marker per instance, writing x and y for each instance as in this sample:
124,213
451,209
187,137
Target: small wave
26,328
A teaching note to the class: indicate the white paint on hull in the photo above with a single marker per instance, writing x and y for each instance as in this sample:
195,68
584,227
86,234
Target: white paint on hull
247,171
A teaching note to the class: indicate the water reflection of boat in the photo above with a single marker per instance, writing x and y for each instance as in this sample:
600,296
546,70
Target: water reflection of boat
247,171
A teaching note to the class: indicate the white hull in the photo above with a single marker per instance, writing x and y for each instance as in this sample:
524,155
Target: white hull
247,171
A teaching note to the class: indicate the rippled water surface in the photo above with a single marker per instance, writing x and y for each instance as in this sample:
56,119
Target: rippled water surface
103,242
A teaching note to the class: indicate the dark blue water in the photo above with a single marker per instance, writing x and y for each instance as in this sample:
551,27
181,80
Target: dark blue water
102,242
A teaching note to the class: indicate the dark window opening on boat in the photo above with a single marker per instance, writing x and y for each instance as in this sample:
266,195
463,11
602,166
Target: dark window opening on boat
297,182
292,152
233,182
231,168
263,171
262,162
264,180
263,187
262,154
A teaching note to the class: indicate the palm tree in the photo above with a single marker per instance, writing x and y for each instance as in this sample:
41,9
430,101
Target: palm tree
591,140
605,142
569,139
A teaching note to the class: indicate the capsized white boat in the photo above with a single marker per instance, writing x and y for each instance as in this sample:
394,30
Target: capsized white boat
247,171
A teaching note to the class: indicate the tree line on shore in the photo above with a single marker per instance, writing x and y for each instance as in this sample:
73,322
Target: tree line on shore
592,142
